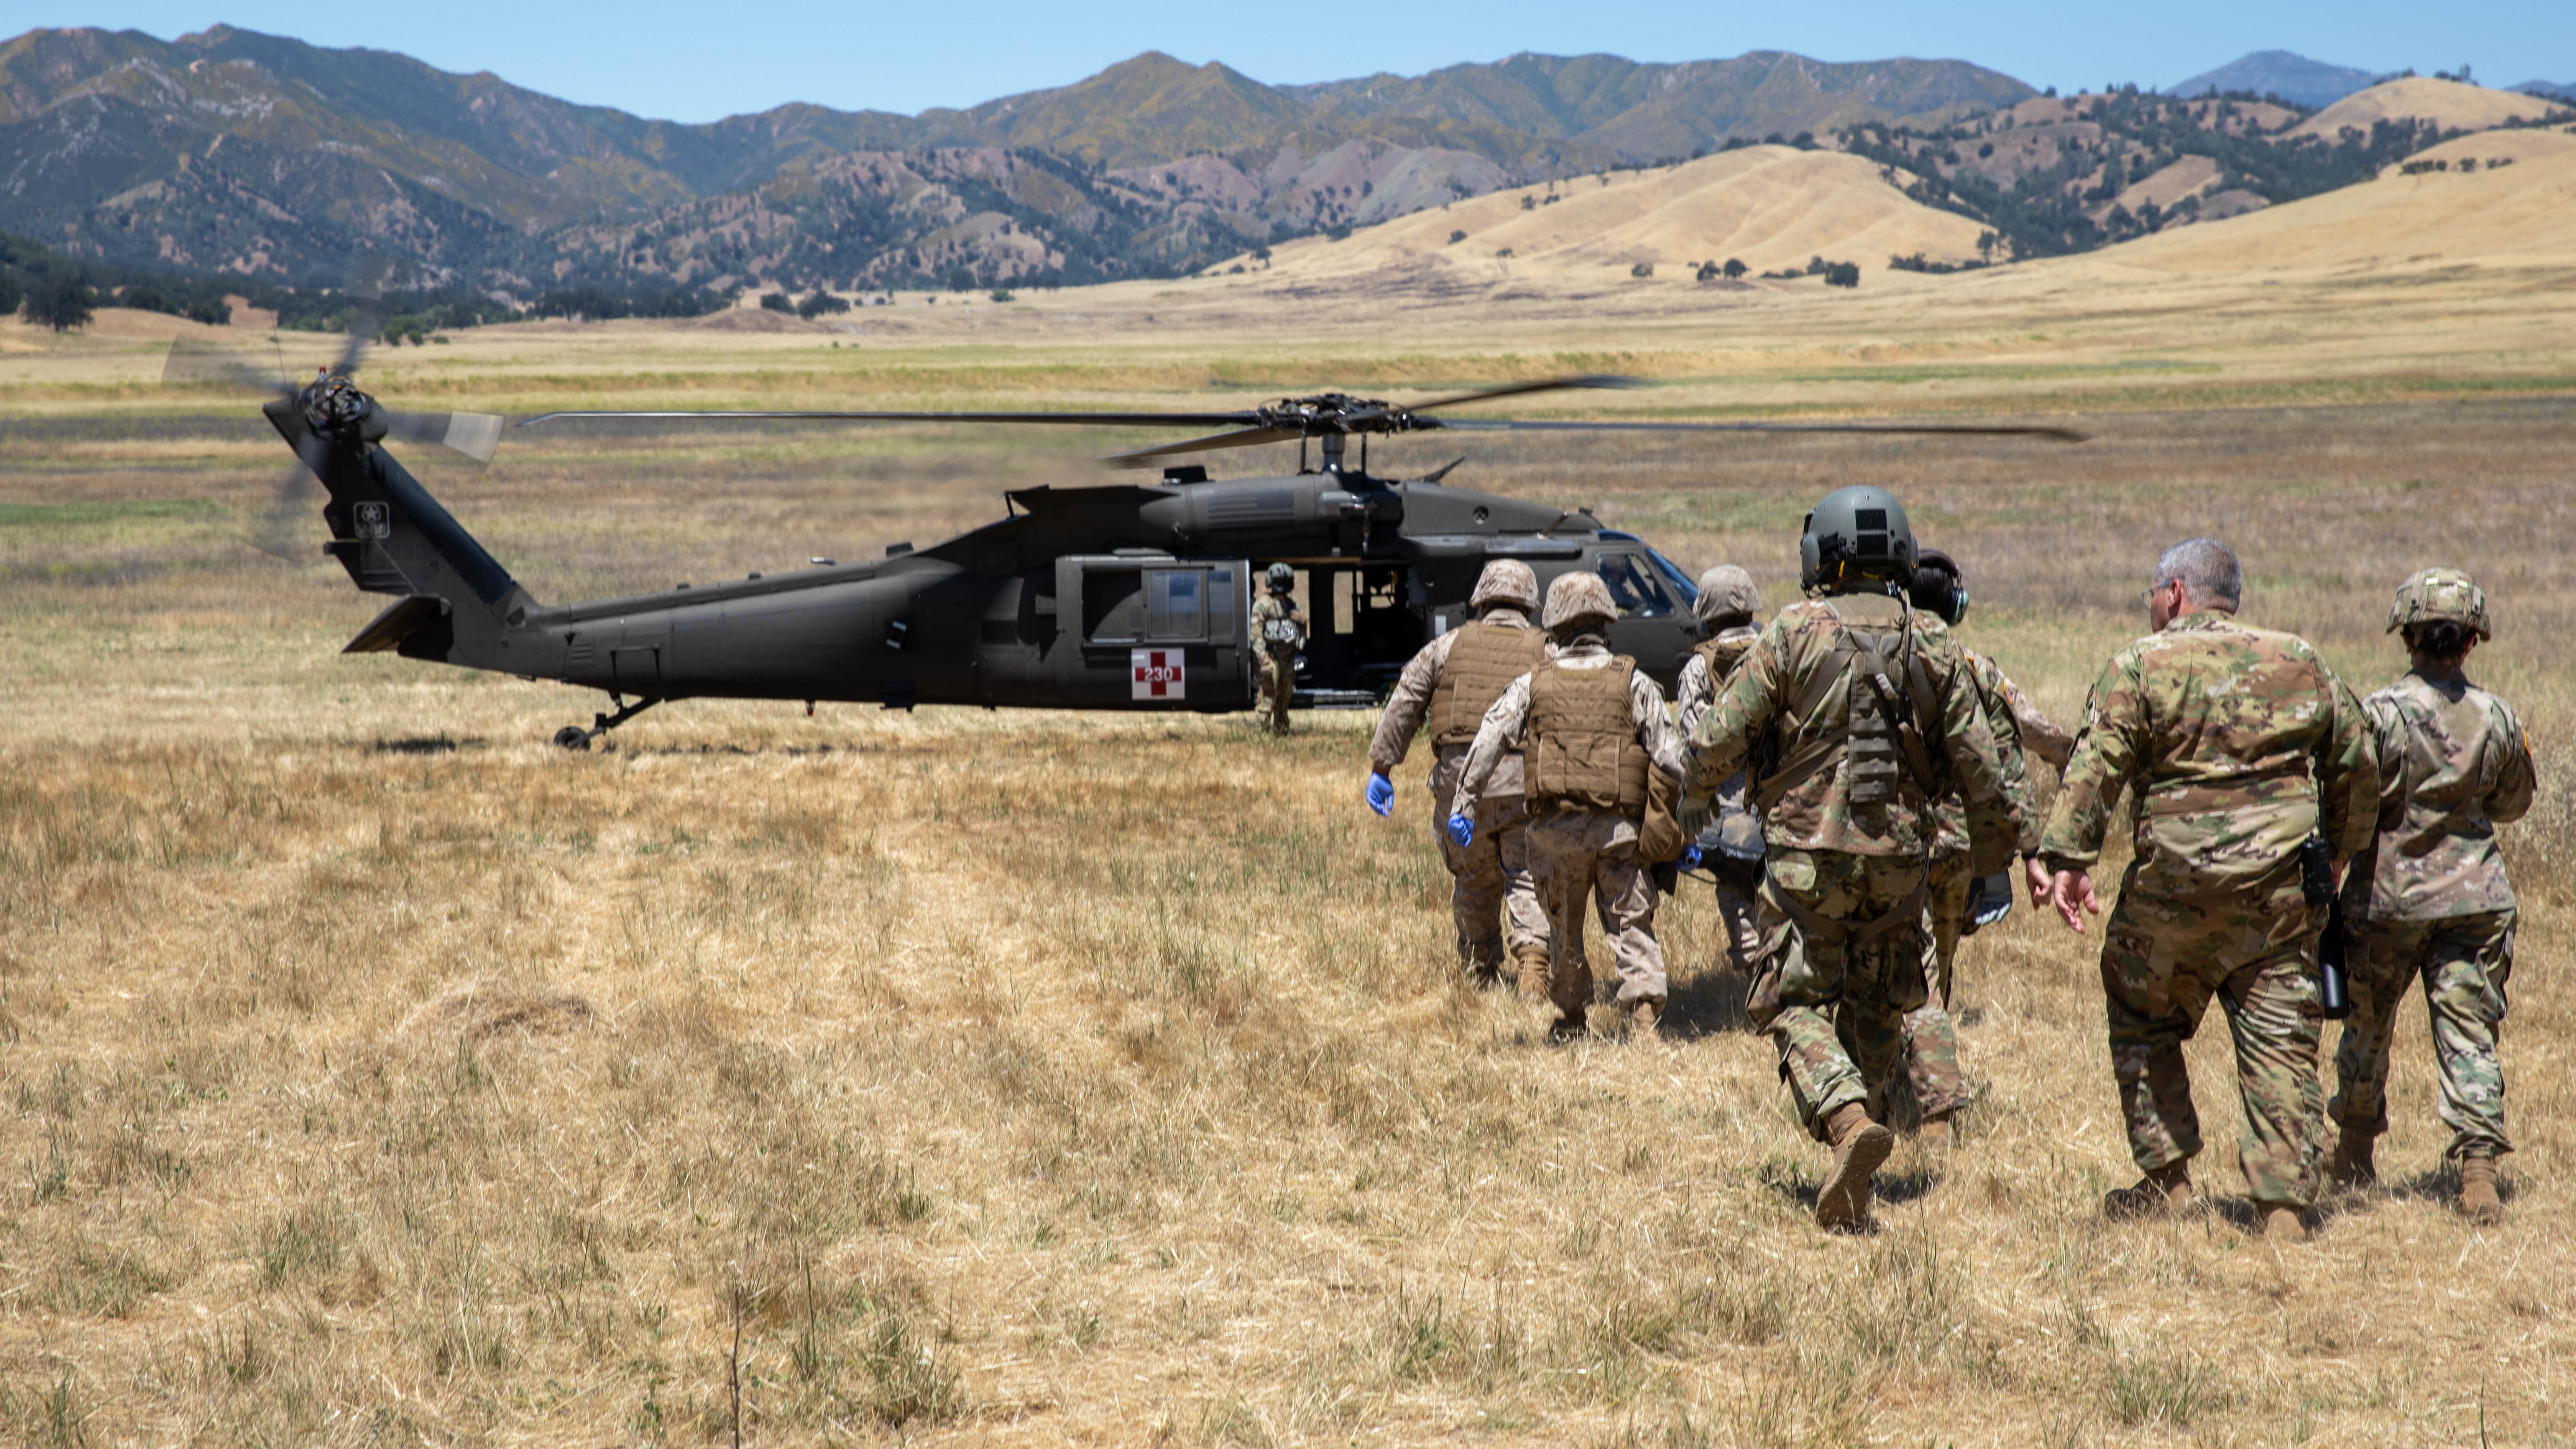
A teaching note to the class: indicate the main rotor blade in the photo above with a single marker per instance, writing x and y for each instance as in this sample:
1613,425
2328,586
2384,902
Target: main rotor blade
1975,430
1516,389
1248,437
1081,420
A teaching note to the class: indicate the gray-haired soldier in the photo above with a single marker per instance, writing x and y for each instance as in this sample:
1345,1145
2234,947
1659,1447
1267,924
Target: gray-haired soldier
1730,608
1445,691
2428,897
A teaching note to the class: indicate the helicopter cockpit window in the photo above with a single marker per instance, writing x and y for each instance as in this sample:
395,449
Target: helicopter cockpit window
1634,587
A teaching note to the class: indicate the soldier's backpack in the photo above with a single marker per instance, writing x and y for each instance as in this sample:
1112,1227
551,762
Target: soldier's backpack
1868,701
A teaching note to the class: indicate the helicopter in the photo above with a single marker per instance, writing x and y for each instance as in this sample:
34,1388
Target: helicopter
1119,596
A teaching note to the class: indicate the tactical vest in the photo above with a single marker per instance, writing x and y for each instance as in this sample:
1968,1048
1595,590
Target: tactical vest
1865,708
1583,747
1721,654
1483,661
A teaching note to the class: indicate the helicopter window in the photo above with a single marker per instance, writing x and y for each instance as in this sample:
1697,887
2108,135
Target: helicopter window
1112,604
1173,608
1346,612
1634,588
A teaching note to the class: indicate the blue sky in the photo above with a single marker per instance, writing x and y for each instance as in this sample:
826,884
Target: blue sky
690,60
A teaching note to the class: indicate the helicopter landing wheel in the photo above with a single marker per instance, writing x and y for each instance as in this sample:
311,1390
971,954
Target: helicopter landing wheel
573,737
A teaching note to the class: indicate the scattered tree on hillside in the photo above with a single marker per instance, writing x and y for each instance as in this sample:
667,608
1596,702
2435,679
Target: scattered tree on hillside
1734,268
62,302
821,304
776,302
1842,274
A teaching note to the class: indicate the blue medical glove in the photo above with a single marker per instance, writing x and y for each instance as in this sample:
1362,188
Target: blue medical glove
1462,830
1690,857
1381,792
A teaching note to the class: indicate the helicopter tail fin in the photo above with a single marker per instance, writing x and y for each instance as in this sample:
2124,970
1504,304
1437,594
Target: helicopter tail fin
453,601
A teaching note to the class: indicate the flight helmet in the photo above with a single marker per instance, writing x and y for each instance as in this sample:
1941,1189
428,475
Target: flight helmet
1282,578
1854,535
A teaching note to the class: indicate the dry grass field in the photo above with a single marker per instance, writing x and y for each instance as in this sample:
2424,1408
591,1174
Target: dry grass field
372,1072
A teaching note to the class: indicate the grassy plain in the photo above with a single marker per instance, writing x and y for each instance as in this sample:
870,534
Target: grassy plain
372,1072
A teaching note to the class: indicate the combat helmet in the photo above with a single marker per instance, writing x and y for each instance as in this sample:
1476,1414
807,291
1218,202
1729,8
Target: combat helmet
2441,594
1281,577
1577,596
1506,581
1726,592
1857,532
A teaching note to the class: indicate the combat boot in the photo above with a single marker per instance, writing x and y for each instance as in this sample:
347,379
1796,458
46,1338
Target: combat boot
1860,1145
2351,1165
1533,977
1642,1019
2478,1200
2283,1224
1482,974
2161,1193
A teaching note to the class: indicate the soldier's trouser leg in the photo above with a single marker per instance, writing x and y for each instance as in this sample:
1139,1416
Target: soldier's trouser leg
1624,890
1739,918
2161,963
1834,1006
1480,876
1931,1037
2465,964
1278,682
1561,870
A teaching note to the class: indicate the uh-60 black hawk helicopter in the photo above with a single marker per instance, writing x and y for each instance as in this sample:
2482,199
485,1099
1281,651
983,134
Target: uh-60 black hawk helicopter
1117,597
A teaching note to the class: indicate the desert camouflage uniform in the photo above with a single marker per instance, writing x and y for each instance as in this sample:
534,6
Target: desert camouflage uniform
1707,670
1493,871
1278,662
2019,730
1579,854
2430,899
1844,931
2240,743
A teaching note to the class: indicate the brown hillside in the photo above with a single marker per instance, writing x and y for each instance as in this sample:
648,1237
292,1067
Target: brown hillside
1770,207
2522,215
2450,104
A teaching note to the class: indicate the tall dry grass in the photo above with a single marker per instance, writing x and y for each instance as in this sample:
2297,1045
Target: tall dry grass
374,1072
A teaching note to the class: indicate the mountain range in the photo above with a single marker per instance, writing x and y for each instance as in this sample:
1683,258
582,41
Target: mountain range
2282,73
269,158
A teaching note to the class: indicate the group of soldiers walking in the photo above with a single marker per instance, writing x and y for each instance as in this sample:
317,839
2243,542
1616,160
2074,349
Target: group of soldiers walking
1858,782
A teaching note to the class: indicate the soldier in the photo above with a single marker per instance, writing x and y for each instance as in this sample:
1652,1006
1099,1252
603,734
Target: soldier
2241,745
1446,689
1279,626
1729,608
1856,713
1592,729
2429,897
1962,900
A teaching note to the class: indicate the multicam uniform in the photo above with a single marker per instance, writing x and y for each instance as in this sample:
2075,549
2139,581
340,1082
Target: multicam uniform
1277,615
2019,730
1706,672
1446,690
2429,898
2240,743
1590,727
1849,822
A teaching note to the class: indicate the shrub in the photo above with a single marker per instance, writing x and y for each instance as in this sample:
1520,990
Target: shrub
776,302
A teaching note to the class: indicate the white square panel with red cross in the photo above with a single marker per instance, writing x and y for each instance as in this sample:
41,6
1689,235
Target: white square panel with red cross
1157,674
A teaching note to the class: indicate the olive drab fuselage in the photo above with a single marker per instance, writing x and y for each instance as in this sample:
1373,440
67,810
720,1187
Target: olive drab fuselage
1112,597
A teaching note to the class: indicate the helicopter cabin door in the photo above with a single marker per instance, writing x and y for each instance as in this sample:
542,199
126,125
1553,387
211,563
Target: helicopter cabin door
1154,632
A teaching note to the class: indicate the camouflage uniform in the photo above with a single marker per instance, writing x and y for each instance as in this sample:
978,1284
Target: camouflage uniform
1579,853
2019,730
2429,898
1707,670
1844,933
1278,659
1492,871
2240,743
